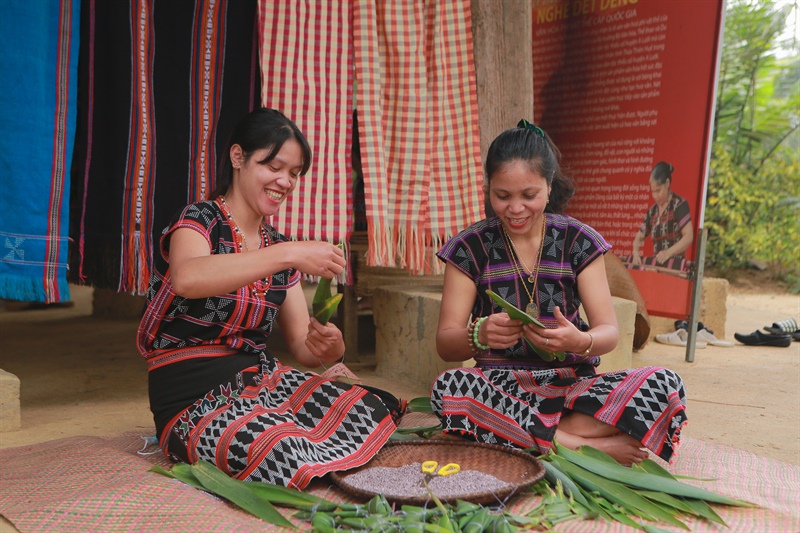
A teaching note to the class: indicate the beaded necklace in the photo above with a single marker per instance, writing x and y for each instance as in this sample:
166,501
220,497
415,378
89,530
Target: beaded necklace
533,277
259,287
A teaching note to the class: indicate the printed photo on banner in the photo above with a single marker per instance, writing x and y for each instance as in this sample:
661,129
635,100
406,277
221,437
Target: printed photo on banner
626,90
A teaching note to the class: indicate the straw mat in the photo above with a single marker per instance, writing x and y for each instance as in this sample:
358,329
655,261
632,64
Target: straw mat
103,484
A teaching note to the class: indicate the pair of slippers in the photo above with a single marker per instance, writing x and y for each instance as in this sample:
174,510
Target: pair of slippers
779,334
680,337
785,327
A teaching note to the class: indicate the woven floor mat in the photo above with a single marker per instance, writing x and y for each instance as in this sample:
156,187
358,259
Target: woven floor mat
104,484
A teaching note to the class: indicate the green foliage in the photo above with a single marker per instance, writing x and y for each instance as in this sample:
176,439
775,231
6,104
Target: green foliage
753,204
754,216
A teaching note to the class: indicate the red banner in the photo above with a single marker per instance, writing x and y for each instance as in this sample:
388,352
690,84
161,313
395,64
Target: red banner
626,90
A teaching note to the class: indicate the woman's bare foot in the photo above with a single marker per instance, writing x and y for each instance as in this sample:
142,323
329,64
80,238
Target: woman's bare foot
623,448
576,429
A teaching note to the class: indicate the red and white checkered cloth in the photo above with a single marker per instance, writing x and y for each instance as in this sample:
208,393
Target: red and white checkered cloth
418,127
307,73
418,120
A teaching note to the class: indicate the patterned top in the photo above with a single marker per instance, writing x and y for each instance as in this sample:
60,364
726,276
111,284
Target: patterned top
666,227
176,329
480,252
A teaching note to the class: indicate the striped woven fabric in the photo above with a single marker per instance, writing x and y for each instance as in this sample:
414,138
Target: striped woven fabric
418,127
38,102
140,173
306,65
163,85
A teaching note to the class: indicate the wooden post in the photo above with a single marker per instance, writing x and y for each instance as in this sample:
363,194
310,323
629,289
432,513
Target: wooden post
502,42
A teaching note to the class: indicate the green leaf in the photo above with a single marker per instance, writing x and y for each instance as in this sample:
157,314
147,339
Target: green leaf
288,497
512,310
218,482
184,472
648,465
421,404
553,474
420,431
183,476
701,508
684,505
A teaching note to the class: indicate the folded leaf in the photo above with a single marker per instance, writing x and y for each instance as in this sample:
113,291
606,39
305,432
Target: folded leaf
324,311
518,314
323,291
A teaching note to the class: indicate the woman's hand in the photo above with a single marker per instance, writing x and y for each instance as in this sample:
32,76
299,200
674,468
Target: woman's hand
499,331
316,258
325,342
565,337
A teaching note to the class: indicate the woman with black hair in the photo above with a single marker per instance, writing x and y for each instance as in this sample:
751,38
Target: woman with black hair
222,278
668,222
549,265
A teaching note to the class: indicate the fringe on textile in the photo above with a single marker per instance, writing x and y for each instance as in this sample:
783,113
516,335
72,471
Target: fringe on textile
414,251
27,289
135,271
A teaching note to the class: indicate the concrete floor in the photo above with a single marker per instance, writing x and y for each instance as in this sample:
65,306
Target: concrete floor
82,375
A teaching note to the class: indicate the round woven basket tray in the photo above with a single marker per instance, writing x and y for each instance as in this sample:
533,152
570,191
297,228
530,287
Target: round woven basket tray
516,468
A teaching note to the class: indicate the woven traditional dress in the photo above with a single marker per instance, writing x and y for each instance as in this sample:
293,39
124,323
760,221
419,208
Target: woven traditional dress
666,226
512,396
215,392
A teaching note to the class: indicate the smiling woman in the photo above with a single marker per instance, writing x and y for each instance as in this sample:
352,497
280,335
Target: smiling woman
222,278
536,380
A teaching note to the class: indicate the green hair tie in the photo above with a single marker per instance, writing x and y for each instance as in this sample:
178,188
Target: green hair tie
528,126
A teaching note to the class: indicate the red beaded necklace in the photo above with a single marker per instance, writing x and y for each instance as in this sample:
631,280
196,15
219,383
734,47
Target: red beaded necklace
259,287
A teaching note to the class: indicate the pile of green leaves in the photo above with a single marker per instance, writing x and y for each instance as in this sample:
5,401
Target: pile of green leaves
324,516
645,491
583,484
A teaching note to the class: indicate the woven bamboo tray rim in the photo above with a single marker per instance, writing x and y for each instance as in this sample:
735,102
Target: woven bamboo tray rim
518,469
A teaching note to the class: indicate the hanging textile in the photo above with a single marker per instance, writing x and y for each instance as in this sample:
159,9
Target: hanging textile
162,85
418,127
306,65
38,96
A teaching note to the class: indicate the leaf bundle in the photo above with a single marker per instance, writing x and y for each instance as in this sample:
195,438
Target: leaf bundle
645,491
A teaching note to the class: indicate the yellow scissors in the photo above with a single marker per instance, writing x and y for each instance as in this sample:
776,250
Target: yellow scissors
429,468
